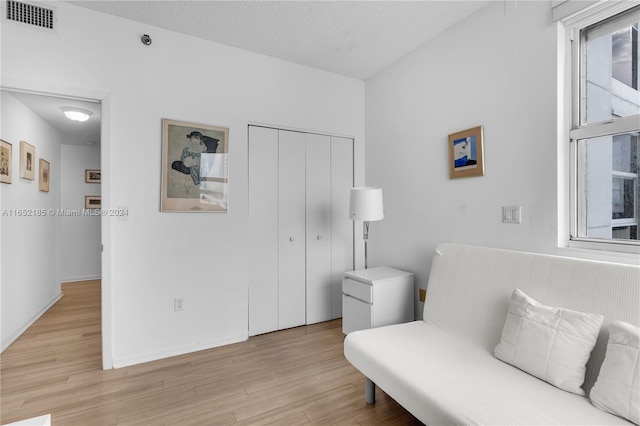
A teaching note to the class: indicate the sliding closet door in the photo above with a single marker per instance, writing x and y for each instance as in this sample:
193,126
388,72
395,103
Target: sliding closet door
318,188
291,223
263,230
341,225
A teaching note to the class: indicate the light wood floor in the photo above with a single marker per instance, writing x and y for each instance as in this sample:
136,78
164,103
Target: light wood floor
292,377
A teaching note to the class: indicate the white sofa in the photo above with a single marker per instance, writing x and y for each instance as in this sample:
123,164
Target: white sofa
442,369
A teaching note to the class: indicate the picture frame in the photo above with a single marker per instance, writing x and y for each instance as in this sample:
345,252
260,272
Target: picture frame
92,202
6,158
27,160
195,171
466,153
44,175
92,176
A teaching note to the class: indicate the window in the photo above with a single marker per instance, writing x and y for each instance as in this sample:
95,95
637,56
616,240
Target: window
605,131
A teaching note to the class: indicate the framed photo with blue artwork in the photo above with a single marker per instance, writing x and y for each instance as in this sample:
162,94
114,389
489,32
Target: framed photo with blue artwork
466,153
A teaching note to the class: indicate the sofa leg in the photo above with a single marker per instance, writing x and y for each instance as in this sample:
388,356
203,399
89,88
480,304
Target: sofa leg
369,391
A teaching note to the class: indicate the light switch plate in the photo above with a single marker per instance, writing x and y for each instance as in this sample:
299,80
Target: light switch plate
512,214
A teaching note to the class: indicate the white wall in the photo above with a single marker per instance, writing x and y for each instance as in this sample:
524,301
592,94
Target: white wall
79,235
29,263
155,256
497,69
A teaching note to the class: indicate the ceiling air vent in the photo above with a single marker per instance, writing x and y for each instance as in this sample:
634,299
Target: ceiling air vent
30,14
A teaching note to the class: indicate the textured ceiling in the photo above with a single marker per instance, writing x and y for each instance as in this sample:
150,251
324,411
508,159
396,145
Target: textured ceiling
352,38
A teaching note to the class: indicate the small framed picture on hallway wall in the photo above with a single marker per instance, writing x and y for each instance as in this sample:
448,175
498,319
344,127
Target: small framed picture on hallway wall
27,160
92,176
92,202
6,156
44,175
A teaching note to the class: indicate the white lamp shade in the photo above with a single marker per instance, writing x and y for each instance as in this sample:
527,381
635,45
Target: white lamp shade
365,204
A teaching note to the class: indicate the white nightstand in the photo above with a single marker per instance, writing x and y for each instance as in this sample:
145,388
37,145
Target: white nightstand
376,297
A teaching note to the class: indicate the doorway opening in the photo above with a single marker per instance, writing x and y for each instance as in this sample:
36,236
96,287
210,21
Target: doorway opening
55,236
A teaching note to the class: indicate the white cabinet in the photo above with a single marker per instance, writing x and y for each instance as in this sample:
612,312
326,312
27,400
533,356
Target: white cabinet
300,235
376,297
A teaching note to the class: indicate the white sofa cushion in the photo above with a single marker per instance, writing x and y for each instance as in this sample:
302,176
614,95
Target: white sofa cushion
617,389
550,343
444,380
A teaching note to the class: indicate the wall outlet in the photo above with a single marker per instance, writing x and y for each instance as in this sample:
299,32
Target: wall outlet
423,294
178,304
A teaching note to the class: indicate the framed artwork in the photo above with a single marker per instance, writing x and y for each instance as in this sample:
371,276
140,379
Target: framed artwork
27,160
6,155
466,153
43,181
195,172
92,202
92,176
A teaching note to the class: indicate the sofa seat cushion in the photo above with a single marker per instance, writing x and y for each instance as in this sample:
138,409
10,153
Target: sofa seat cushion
442,379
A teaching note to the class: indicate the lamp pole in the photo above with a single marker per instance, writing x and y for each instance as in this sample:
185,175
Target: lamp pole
365,237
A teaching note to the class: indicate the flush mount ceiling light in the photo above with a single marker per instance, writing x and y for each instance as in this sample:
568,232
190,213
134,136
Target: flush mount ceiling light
76,114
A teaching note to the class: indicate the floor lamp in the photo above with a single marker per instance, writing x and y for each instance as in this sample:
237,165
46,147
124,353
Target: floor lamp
365,205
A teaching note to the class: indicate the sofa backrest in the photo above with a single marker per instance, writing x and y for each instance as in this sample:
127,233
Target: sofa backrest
469,289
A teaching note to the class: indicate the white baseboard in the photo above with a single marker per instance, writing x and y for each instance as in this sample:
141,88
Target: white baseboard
126,362
7,342
76,279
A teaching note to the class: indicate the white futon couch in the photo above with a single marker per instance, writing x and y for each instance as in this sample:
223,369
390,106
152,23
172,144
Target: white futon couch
444,370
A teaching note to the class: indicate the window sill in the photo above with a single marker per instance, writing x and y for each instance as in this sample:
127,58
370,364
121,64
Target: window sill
607,252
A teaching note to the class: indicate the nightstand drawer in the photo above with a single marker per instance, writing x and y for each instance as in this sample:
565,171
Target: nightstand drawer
358,290
358,315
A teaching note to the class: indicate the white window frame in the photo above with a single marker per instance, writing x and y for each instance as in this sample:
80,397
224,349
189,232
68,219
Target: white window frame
592,14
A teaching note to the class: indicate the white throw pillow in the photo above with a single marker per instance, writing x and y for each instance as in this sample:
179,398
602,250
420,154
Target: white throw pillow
552,344
617,389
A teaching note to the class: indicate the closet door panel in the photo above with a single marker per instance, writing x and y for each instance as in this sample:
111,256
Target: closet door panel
318,202
341,225
291,223
263,230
